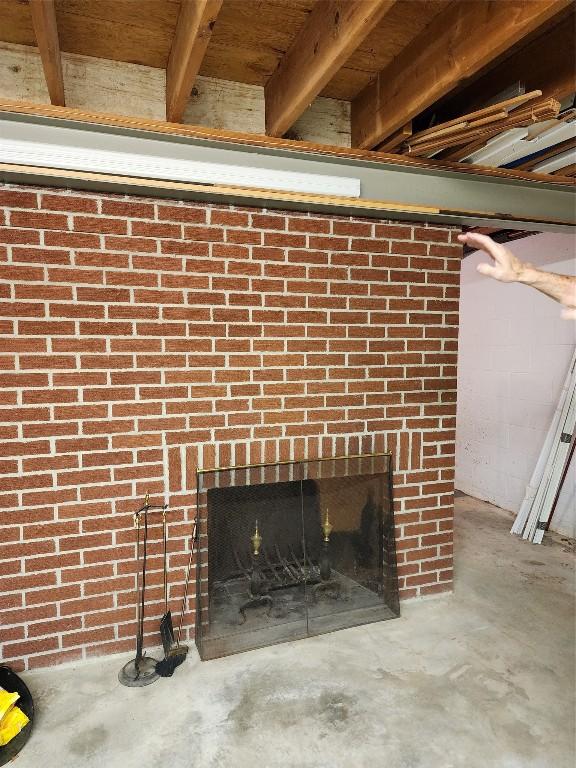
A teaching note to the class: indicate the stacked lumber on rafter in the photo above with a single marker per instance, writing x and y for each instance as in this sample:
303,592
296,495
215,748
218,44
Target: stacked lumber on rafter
494,111
479,126
556,149
509,146
399,137
560,164
524,142
567,170
455,154
549,153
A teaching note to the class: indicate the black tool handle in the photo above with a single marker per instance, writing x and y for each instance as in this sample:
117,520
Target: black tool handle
193,548
140,637
165,545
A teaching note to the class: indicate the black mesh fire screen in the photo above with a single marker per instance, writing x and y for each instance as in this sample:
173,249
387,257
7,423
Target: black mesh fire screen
294,549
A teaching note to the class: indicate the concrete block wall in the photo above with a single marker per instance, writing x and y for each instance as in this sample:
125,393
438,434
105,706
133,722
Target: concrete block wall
142,338
514,353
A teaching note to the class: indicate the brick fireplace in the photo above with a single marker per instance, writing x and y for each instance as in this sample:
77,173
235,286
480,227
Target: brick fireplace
142,339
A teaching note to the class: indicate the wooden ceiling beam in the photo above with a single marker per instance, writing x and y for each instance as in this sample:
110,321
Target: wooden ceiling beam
547,63
46,32
457,44
193,30
335,28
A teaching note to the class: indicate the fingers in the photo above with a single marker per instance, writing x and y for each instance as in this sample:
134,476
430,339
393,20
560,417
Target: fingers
487,269
569,314
480,242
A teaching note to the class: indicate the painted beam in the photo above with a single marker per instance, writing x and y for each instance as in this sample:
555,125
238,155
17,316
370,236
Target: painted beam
335,28
193,31
458,43
46,32
65,116
387,189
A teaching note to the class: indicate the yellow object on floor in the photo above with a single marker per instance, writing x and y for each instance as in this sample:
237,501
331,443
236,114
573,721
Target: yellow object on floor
7,701
12,719
11,725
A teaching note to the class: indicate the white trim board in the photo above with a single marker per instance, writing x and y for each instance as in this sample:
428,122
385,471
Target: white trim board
74,149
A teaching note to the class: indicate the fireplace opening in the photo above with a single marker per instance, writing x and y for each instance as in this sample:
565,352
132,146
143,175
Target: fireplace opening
294,549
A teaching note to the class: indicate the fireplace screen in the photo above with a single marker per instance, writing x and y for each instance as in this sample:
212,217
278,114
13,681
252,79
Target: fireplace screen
292,550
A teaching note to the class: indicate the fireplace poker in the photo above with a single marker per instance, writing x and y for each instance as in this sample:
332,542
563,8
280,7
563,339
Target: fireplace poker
142,669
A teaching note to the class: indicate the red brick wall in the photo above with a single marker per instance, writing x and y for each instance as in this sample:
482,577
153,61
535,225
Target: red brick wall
141,337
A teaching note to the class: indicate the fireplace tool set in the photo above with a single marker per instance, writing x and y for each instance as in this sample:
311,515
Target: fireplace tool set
269,576
144,670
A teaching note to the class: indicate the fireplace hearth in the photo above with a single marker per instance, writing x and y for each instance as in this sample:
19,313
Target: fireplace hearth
294,549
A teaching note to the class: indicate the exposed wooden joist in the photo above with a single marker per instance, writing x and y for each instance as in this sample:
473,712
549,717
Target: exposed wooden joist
547,63
334,30
456,45
193,30
46,32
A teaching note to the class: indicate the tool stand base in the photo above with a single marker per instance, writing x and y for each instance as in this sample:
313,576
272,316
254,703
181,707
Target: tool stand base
137,676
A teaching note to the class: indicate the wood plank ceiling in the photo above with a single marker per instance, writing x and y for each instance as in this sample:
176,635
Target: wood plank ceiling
397,62
247,43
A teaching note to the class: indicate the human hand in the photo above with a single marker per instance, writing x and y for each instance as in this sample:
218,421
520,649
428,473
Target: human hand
506,267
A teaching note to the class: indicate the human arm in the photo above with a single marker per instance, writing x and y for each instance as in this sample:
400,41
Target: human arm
507,268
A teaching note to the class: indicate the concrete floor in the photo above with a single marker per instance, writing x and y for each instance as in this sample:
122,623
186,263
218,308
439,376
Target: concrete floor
481,679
